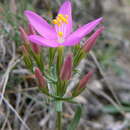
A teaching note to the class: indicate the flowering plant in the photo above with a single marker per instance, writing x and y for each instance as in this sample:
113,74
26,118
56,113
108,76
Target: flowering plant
53,78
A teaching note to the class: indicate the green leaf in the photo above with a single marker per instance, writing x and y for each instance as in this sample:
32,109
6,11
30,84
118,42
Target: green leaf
74,123
113,110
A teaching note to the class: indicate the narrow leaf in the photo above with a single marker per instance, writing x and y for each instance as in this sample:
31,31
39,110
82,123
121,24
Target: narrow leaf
74,123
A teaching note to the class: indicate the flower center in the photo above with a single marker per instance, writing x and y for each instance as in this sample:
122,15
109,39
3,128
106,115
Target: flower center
60,22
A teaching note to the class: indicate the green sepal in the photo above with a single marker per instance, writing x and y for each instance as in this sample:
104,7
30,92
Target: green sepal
77,91
78,57
52,52
62,86
38,60
50,79
52,73
28,62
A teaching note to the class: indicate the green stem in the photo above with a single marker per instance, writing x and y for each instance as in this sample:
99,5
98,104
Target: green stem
58,121
58,108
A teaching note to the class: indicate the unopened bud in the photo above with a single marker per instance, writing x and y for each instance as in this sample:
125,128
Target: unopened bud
66,70
84,80
81,85
40,78
23,35
92,39
31,29
36,48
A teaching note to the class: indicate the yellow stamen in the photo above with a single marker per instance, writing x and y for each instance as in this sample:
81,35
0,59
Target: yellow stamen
55,21
59,20
61,17
60,34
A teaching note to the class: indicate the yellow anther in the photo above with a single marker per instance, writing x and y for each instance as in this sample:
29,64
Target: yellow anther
60,34
59,19
60,16
54,21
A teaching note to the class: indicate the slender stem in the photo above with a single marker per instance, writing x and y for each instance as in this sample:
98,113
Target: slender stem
58,109
58,121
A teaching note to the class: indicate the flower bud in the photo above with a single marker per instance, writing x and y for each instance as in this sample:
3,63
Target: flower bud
31,29
36,48
84,80
66,70
23,35
81,85
40,78
92,39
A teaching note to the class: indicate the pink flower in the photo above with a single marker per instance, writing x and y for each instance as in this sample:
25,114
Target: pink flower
61,33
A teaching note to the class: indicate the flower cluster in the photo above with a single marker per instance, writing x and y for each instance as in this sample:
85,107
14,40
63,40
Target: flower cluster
53,77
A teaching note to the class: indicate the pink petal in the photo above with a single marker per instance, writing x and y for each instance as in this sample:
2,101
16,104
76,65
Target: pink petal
65,9
42,41
76,36
42,27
